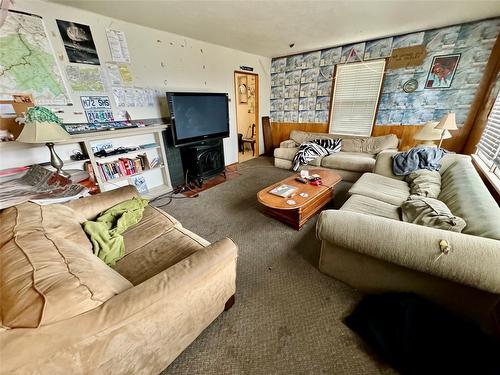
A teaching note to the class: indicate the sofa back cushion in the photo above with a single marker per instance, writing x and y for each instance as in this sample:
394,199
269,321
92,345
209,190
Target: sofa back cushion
300,137
463,191
48,270
370,145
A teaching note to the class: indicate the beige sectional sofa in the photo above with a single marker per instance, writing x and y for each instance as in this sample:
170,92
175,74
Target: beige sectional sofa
64,311
356,157
366,245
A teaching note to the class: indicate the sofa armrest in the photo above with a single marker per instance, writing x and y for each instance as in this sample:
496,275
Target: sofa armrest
91,207
175,300
288,144
473,261
383,164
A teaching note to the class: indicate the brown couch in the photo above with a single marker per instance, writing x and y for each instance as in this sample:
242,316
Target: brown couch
63,311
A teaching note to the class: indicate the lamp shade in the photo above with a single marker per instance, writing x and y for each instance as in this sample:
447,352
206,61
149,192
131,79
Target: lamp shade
447,122
430,133
42,126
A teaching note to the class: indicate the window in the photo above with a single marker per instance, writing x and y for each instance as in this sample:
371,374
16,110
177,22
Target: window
488,148
355,97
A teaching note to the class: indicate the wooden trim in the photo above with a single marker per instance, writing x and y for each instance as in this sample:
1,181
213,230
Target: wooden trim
280,131
483,102
330,110
256,112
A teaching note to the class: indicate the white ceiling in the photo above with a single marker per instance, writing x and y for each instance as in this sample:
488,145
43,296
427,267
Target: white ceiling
268,27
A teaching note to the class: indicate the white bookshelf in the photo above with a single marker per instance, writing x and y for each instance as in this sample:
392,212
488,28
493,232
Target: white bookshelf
157,178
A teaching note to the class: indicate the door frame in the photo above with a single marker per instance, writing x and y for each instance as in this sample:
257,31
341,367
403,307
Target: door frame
257,118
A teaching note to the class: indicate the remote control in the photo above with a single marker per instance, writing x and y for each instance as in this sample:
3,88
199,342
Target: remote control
301,180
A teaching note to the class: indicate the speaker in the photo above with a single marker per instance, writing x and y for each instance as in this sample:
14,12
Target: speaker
174,159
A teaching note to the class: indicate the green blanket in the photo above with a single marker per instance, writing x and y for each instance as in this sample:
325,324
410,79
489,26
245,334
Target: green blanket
106,232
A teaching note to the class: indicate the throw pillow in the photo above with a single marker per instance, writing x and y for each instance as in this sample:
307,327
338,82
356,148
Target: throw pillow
432,213
424,183
49,272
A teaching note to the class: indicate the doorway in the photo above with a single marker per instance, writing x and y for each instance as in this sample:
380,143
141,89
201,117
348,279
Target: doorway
246,87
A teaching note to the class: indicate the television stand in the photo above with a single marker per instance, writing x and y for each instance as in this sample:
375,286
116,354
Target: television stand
203,160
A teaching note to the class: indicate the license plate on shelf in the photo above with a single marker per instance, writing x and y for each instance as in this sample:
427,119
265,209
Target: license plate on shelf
95,102
99,115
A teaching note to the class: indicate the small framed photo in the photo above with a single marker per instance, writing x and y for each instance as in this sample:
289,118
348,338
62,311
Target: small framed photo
442,71
140,184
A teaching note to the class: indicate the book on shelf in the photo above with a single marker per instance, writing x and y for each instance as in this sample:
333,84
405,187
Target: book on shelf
283,190
140,183
123,167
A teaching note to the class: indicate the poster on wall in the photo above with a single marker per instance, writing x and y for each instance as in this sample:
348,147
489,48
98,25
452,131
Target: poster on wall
22,72
118,46
442,71
78,42
84,78
119,74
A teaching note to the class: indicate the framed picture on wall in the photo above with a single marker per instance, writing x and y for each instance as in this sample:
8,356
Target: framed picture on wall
442,71
242,89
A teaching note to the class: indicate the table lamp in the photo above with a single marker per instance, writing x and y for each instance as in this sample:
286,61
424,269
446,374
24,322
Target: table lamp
448,122
429,134
43,126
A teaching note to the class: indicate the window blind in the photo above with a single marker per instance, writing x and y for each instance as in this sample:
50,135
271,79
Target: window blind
355,97
488,148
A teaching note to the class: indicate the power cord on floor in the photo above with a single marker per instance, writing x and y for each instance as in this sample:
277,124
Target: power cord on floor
178,190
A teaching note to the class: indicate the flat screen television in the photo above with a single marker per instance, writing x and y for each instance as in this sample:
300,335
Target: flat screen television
198,116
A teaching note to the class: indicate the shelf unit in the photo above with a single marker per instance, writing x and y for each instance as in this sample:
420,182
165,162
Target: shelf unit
125,154
87,140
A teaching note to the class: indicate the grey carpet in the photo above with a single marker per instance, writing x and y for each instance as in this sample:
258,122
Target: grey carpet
287,318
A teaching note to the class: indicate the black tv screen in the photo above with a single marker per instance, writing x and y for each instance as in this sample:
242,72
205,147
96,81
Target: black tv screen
198,116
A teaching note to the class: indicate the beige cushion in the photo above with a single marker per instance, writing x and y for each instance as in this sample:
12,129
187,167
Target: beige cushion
288,144
300,136
424,183
465,194
370,145
49,272
349,161
432,213
369,206
289,153
382,188
149,254
286,153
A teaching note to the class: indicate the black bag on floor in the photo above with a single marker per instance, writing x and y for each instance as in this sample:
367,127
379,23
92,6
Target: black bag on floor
418,337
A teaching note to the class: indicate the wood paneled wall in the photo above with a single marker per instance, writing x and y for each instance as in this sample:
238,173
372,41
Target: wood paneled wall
406,134
281,132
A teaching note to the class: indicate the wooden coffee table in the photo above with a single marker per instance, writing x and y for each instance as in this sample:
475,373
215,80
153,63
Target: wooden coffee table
306,207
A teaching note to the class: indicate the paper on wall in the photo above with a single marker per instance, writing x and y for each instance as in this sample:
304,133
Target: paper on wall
134,97
119,74
119,95
125,74
114,74
84,78
118,45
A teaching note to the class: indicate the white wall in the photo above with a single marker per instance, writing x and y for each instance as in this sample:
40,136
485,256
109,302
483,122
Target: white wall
159,60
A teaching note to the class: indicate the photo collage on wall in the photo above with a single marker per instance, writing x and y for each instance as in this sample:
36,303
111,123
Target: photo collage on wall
301,85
